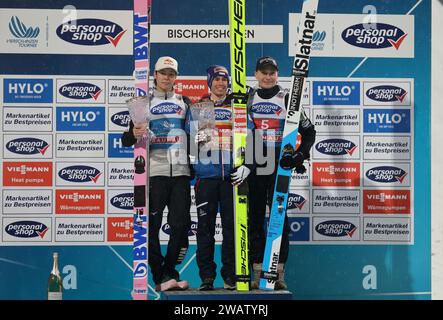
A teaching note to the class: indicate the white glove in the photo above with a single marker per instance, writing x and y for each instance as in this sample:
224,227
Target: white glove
202,137
240,175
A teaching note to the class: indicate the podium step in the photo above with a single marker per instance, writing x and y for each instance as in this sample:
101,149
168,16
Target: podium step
222,294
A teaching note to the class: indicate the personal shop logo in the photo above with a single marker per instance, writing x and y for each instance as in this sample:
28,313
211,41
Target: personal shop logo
26,229
121,119
336,228
80,91
374,36
387,93
386,174
266,108
80,174
123,201
91,32
27,146
336,147
166,108
296,201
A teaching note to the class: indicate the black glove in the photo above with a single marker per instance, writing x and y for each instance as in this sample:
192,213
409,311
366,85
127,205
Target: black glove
300,169
292,161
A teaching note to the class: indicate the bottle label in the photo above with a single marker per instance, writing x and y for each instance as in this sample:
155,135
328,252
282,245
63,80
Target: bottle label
54,296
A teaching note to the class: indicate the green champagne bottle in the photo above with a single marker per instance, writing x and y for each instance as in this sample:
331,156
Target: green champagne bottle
55,285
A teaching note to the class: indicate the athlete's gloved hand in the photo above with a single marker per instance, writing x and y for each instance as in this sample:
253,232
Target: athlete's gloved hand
292,161
202,137
300,169
239,175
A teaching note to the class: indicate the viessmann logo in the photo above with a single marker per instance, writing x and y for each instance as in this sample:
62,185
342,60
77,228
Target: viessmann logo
80,91
266,108
336,147
91,32
26,229
386,174
27,146
386,93
376,36
336,228
80,174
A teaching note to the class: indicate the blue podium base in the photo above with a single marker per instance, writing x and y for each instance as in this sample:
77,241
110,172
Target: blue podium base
222,294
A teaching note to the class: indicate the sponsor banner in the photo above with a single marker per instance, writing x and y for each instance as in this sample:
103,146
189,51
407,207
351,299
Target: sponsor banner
27,146
333,201
79,229
298,201
120,229
120,90
116,148
387,148
85,174
392,174
27,229
285,83
337,147
27,174
336,121
120,201
166,230
118,119
298,229
120,174
387,201
194,89
80,118
80,145
81,91
168,33
16,90
27,119
347,35
59,32
336,174
29,201
390,93
336,93
300,180
79,201
336,229
387,229
387,120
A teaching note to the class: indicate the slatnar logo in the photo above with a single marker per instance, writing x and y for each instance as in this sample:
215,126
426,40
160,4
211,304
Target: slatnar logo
26,229
386,93
378,36
266,108
27,146
386,174
80,91
19,30
80,174
336,147
336,228
91,32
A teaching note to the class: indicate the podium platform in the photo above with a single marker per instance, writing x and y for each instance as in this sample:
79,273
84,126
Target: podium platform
222,294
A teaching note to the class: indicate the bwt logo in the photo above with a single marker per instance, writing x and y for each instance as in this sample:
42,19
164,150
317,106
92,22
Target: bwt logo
26,229
296,201
28,90
336,147
387,120
192,230
121,119
82,174
380,36
81,119
266,108
80,91
166,108
340,93
386,174
336,228
90,32
387,93
19,30
124,201
222,115
27,146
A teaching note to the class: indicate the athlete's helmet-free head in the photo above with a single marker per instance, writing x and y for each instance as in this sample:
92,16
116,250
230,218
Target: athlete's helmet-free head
216,71
265,63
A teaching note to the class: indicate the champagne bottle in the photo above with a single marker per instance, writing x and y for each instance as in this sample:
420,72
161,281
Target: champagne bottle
55,285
